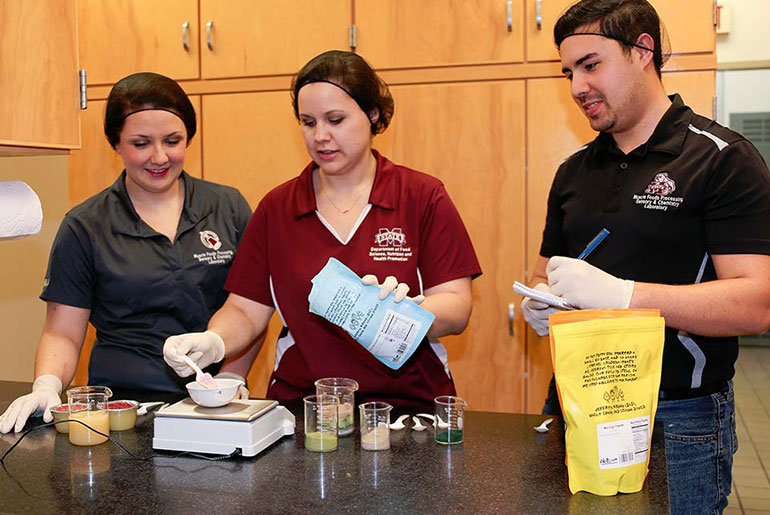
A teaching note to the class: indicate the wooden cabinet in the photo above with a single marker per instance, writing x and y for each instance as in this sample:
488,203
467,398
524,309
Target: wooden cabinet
405,33
541,17
471,136
236,38
265,37
121,37
253,143
688,23
39,108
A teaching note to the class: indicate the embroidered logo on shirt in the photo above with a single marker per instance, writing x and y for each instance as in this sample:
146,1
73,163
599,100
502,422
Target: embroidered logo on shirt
386,238
661,185
210,240
390,245
656,195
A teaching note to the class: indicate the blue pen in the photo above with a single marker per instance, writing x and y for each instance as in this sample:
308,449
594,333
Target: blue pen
594,243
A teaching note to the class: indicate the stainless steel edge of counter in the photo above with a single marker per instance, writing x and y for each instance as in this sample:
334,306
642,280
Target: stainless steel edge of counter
503,466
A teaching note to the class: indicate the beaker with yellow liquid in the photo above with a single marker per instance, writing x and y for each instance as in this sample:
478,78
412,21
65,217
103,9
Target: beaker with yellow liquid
88,404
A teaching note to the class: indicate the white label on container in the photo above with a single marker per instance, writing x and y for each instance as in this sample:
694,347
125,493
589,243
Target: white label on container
623,442
395,336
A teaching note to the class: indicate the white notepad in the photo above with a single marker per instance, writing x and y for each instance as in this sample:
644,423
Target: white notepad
541,296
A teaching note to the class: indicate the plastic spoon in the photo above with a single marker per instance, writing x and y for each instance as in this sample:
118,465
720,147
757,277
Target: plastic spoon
441,423
543,428
418,425
144,406
204,378
398,425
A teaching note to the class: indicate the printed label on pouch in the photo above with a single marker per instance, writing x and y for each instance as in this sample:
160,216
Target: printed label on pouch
395,336
390,330
624,442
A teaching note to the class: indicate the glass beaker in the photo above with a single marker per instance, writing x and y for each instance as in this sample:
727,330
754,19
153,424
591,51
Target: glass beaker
321,422
375,425
450,411
345,390
88,404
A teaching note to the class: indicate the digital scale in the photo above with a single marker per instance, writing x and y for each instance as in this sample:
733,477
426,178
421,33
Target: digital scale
250,425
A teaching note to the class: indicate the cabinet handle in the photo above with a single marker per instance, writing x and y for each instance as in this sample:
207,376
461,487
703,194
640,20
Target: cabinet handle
209,28
509,6
82,84
185,32
539,14
511,311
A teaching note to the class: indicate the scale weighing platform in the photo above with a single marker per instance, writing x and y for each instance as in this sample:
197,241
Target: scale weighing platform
251,425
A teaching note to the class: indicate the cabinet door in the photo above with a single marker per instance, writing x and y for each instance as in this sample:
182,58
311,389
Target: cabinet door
471,136
39,74
541,17
689,24
265,37
697,89
555,129
121,37
96,165
404,33
253,143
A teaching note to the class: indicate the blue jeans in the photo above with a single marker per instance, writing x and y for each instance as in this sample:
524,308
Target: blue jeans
700,442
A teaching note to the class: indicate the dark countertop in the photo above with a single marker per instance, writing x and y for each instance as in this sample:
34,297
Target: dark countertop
503,466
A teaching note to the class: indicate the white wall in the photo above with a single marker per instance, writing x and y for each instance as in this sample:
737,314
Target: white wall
742,91
749,30
23,264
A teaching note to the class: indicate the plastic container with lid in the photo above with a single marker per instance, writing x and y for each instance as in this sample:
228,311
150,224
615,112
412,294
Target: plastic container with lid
122,414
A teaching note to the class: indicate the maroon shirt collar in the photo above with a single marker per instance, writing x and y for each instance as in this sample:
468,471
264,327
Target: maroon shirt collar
384,192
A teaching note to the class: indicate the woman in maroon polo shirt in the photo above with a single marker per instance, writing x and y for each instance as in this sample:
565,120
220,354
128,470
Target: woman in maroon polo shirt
380,219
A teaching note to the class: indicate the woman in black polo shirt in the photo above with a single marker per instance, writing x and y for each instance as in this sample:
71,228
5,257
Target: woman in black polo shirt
144,259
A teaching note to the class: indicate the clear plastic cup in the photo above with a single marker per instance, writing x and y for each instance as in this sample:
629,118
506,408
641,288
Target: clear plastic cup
345,390
88,404
321,422
450,411
375,425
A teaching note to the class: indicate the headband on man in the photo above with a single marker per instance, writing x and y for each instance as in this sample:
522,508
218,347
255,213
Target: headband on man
608,36
152,109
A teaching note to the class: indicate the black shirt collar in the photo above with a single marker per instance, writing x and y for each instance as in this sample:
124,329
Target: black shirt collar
668,136
125,220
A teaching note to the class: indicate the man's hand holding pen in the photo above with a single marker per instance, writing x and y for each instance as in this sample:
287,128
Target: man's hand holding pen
587,287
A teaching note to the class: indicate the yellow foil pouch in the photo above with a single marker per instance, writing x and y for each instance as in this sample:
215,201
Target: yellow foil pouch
608,375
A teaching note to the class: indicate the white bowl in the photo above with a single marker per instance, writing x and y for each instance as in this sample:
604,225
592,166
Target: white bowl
214,397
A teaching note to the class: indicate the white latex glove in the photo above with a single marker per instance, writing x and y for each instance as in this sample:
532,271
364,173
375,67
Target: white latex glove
203,348
45,395
536,312
243,391
587,287
391,285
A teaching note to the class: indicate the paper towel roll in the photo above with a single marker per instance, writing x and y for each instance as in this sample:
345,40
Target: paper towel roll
20,211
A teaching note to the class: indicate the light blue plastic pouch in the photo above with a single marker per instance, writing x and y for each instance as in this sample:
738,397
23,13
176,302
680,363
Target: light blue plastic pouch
390,330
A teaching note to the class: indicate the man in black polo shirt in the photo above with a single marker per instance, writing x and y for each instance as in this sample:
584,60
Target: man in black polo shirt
687,204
